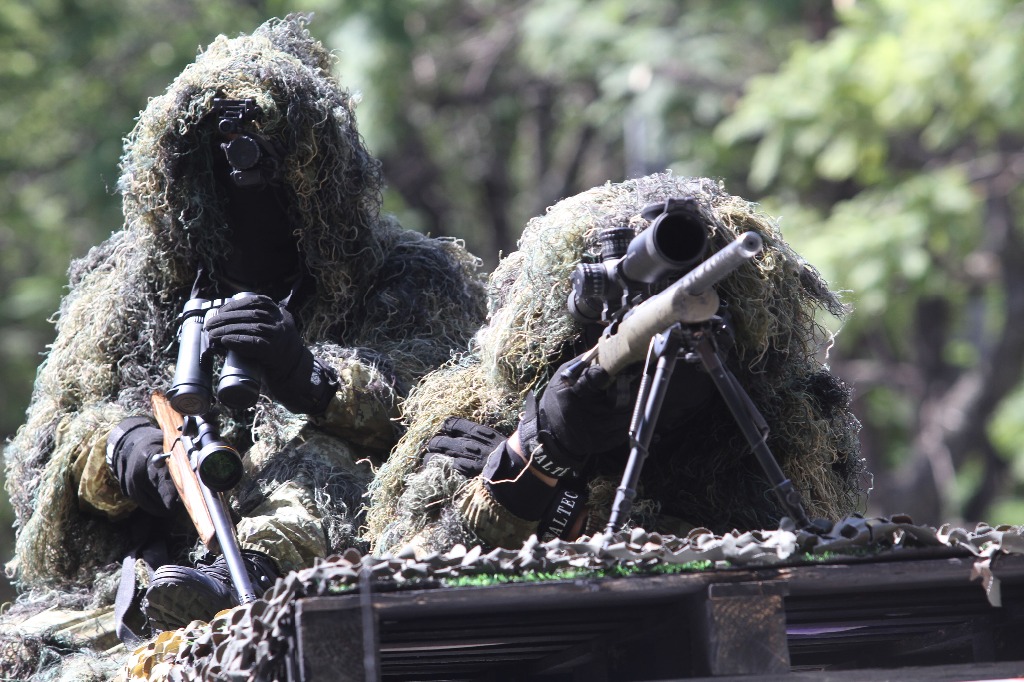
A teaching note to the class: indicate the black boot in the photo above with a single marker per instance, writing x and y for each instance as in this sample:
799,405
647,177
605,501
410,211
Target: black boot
179,595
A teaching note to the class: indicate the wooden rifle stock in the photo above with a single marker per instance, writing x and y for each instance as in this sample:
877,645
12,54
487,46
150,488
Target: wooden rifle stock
182,474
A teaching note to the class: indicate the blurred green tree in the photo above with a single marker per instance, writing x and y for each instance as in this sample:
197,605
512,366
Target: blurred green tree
486,112
893,149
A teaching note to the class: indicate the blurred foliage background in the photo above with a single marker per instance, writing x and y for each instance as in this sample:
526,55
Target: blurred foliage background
887,134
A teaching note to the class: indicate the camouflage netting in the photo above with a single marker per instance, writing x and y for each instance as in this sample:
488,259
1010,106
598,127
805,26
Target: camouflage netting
258,641
718,485
386,301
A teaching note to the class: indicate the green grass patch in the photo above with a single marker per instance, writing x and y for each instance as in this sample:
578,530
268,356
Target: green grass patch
617,571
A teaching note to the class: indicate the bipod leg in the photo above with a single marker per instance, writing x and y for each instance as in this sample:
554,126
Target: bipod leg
754,429
662,354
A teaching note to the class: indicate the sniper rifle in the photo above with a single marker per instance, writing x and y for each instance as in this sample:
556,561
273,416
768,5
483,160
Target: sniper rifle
664,326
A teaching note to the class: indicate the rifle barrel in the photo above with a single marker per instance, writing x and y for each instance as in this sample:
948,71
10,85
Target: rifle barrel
690,299
715,268
218,506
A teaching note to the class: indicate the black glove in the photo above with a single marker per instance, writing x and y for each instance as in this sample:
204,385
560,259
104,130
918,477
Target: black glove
467,443
256,327
513,487
142,477
576,418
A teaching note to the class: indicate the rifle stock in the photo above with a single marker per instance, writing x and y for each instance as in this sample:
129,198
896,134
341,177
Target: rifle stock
181,471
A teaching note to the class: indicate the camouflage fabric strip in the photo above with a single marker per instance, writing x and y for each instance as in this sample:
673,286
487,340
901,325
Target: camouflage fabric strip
357,412
286,527
97,489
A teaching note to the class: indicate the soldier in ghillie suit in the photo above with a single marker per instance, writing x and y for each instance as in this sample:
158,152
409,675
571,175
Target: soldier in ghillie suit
466,471
348,310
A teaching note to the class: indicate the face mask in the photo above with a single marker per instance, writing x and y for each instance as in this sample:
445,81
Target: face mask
264,253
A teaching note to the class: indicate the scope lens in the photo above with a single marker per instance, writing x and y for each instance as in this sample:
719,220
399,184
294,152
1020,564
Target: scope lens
243,152
673,243
220,468
681,239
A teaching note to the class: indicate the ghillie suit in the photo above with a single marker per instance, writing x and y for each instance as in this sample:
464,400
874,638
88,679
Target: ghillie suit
381,305
709,479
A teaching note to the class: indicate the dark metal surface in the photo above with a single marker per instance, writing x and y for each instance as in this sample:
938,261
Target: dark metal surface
927,613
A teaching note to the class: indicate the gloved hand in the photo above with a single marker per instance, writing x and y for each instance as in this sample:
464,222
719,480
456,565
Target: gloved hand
256,327
576,418
143,479
466,442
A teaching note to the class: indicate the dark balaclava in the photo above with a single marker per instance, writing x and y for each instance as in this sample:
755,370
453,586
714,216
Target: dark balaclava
263,254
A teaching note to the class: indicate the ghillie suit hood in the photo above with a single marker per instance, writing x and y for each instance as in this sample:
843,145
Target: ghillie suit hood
379,295
713,480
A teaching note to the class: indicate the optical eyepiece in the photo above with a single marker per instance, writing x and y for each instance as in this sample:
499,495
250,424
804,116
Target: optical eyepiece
218,465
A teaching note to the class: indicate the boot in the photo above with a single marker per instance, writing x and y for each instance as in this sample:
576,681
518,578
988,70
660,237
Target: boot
179,595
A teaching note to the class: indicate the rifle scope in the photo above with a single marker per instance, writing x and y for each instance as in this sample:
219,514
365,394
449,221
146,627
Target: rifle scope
674,243
218,465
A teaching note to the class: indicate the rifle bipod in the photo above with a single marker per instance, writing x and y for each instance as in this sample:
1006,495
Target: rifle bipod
662,355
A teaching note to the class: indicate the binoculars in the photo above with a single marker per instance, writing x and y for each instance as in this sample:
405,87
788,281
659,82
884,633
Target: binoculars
191,393
629,265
